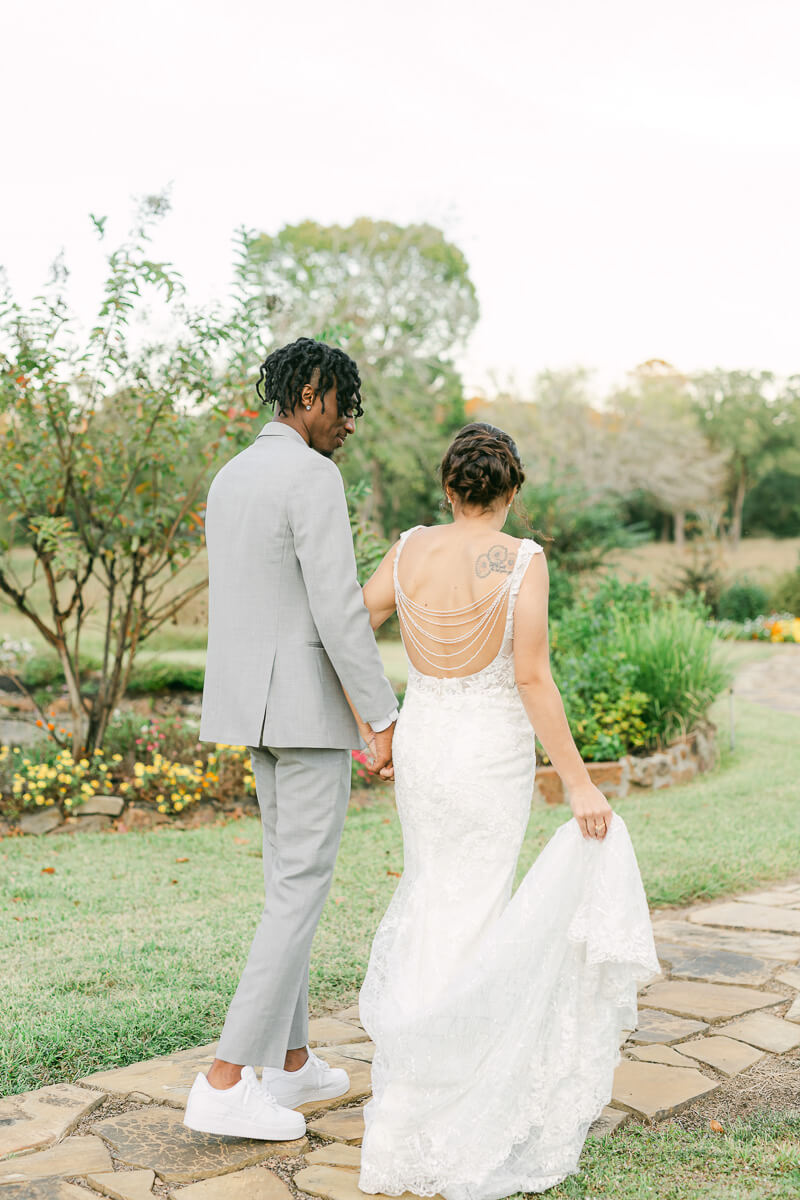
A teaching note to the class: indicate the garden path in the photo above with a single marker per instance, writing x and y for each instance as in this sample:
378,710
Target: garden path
726,1008
773,681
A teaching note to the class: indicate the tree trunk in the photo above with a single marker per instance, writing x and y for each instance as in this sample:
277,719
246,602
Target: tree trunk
736,518
679,519
80,718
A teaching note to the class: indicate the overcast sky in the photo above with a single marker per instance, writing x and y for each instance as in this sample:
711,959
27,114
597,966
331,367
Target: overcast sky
622,176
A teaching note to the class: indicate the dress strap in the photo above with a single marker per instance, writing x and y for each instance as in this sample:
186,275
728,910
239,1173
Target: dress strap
401,541
527,551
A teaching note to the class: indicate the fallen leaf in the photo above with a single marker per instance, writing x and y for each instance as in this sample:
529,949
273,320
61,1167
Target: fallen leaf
48,870
715,1125
181,860
242,841
16,899
173,881
395,873
338,899
387,820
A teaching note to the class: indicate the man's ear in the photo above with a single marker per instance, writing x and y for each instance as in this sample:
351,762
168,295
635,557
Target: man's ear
308,395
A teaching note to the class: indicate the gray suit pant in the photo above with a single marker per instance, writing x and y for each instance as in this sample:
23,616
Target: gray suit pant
303,795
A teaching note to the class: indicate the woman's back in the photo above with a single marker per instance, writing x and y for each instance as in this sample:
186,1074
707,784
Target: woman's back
453,586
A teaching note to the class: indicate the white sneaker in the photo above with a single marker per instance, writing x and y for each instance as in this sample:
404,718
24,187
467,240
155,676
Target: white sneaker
315,1080
245,1110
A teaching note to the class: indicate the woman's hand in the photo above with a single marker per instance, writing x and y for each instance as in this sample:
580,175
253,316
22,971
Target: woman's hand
591,810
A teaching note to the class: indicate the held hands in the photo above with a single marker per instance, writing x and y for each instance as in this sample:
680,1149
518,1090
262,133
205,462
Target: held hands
591,810
379,752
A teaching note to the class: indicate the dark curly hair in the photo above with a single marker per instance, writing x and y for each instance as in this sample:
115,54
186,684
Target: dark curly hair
482,465
285,372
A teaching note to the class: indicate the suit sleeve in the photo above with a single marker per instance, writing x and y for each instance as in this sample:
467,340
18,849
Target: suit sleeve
323,541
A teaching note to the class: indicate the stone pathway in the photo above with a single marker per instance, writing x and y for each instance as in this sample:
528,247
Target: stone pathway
729,996
773,681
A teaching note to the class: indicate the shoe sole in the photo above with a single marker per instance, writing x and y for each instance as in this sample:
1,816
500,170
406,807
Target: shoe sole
230,1127
332,1092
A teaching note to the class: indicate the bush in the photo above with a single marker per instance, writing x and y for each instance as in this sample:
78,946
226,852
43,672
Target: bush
786,592
633,670
742,601
673,653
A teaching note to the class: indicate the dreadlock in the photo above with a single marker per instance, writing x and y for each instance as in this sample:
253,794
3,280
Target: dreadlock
285,372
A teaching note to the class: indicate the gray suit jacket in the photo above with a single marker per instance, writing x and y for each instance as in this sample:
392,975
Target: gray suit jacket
287,625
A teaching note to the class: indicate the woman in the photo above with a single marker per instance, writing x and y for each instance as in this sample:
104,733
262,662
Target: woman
496,1021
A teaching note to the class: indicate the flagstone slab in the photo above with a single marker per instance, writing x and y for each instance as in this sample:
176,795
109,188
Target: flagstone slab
791,976
74,1156
766,1031
664,1027
345,1125
714,966
353,1014
334,1183
609,1120
329,1031
336,1154
167,1079
360,1088
774,897
253,1183
364,1051
705,1001
653,1091
157,1138
749,916
783,946
41,1117
794,1012
50,1188
727,1055
123,1185
657,1054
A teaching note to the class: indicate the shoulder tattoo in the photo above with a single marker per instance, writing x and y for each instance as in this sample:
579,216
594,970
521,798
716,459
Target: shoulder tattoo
497,559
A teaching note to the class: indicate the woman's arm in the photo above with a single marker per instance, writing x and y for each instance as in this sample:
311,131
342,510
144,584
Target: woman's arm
379,590
543,702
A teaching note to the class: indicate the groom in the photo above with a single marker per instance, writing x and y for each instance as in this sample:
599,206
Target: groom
287,634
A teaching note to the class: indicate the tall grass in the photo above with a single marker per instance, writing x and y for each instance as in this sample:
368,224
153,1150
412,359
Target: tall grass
678,665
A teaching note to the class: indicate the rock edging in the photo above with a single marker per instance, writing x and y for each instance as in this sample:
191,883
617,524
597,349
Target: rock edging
679,762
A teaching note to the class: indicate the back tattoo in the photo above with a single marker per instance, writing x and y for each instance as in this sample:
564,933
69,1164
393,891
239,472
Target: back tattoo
498,559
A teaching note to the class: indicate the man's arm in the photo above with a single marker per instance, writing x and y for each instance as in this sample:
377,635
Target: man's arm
324,546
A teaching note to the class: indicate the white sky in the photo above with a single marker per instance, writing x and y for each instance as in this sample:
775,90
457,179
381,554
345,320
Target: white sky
622,176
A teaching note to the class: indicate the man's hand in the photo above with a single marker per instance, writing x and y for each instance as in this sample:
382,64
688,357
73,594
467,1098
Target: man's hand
379,751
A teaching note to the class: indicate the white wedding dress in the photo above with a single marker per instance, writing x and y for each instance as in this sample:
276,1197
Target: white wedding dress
496,1020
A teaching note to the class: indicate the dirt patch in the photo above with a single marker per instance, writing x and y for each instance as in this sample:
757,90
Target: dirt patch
773,1084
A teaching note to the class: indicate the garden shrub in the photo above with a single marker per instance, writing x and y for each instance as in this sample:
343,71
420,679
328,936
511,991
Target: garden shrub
742,601
676,666
786,592
633,669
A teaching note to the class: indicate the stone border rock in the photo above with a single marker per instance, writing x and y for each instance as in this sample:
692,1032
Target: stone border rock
679,762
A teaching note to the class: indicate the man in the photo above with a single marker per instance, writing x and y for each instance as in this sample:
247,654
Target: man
288,633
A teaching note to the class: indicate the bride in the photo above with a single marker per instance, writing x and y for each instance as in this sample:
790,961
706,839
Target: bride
496,1020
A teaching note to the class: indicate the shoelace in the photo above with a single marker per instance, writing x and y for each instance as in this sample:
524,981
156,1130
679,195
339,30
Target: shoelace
262,1092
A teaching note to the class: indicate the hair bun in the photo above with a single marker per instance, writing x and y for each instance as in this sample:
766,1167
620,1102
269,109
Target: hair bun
482,465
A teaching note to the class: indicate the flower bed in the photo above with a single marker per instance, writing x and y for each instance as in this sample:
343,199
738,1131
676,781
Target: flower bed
777,627
163,767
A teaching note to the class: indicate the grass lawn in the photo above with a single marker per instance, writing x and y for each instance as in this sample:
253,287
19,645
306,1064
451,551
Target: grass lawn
122,951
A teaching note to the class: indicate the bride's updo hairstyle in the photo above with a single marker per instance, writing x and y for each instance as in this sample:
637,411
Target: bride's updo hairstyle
481,466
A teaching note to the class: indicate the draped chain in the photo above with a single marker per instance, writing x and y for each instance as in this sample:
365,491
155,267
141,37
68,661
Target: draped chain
417,621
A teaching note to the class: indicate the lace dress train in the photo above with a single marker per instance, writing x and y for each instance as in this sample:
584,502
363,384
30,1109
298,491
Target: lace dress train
496,1018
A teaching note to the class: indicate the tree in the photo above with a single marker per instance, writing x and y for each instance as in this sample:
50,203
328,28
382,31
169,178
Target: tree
103,466
400,301
658,451
755,422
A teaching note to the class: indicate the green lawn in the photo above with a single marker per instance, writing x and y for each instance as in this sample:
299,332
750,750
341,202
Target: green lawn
123,952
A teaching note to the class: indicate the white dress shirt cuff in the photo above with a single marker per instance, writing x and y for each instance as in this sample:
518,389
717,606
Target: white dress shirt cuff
379,726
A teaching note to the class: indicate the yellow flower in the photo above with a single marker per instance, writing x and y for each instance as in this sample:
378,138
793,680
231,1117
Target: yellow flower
116,757
84,762
162,808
